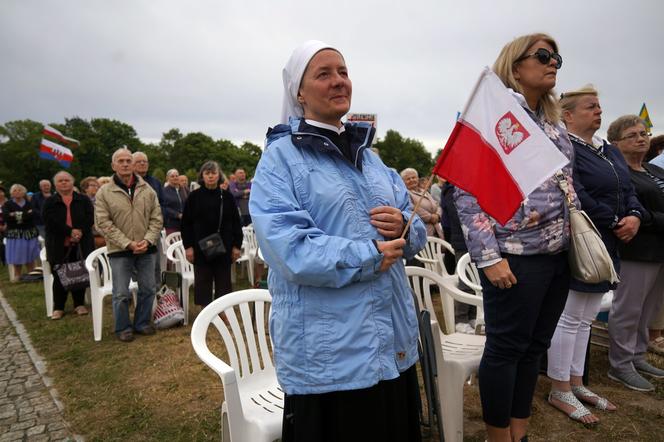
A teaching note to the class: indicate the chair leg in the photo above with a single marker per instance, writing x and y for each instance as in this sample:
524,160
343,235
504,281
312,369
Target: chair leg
185,301
97,307
250,271
450,393
48,295
225,430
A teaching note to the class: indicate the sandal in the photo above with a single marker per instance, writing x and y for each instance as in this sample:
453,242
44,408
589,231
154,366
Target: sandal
582,393
567,397
657,346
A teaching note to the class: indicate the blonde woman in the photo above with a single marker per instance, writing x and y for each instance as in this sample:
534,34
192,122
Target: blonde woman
525,275
603,184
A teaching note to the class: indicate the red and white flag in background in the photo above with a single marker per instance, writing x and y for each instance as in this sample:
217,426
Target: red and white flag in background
52,150
57,135
55,152
496,152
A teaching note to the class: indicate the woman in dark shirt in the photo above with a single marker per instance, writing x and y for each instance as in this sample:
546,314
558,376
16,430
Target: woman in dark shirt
601,180
639,294
200,218
21,233
68,218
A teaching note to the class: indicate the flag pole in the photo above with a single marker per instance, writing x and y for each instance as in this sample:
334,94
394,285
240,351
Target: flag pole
417,206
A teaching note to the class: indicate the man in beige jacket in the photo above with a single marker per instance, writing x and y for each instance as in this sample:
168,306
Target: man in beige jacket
127,213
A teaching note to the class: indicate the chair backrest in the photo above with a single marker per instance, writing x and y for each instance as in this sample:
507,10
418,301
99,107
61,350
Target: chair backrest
171,238
421,282
245,337
176,254
432,255
250,241
46,266
468,274
99,268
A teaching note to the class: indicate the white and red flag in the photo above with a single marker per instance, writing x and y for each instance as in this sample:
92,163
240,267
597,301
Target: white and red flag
496,152
53,151
58,136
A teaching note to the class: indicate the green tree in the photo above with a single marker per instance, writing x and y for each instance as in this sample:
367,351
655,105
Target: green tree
19,155
399,152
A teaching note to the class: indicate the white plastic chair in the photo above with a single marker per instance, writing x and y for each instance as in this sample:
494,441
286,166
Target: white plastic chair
468,274
457,354
101,285
176,254
172,238
161,249
252,410
249,251
48,282
432,255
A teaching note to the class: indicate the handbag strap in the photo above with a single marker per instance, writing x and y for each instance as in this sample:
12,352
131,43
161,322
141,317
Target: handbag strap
564,186
221,210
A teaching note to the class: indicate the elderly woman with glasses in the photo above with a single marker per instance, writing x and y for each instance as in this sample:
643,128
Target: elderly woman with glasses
328,216
639,295
525,274
429,209
602,181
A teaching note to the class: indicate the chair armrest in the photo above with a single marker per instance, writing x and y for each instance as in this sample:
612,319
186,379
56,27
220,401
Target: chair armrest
459,295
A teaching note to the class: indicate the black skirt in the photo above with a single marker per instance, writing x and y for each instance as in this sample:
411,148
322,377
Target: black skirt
388,411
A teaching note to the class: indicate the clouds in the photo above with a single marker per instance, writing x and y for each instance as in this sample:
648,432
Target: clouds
215,66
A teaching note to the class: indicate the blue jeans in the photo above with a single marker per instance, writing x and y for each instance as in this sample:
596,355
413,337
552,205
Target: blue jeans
123,268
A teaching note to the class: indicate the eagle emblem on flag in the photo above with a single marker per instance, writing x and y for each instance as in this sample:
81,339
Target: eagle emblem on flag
510,132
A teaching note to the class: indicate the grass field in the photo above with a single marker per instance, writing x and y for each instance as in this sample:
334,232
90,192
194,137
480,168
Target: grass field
156,389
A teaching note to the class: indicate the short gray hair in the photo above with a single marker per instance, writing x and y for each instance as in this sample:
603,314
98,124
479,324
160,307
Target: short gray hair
17,186
210,166
171,172
614,133
65,172
409,170
122,149
138,153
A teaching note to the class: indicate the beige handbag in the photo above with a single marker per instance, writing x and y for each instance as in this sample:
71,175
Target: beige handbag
589,260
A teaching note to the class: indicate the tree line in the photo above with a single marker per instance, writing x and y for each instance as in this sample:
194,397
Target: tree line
100,137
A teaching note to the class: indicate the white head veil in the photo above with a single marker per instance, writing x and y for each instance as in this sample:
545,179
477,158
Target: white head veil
292,76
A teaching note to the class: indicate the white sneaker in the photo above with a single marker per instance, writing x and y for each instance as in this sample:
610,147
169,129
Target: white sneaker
464,327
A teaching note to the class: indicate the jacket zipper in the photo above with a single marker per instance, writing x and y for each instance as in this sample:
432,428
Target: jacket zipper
359,149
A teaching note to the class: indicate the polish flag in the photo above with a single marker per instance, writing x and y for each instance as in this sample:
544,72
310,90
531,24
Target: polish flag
496,152
53,151
56,134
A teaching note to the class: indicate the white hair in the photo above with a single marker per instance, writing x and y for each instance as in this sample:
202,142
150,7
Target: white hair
123,149
409,170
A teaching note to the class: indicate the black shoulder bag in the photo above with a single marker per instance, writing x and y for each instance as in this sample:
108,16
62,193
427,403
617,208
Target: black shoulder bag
212,245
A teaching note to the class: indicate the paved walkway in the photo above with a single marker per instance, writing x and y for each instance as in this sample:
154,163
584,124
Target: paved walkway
29,410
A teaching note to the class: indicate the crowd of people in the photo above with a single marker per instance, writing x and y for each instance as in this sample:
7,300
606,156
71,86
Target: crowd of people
126,212
330,220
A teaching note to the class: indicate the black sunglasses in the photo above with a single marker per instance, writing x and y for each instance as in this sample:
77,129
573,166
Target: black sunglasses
544,57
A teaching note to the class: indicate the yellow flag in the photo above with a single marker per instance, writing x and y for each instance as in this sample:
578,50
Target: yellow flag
645,116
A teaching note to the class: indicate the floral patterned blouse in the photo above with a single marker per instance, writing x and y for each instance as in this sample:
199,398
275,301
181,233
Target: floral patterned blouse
540,225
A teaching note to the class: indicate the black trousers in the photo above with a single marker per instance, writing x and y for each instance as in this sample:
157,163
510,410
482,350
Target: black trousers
520,322
59,292
207,275
388,411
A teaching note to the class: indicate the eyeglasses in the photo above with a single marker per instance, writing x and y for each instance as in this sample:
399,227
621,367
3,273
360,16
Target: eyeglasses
634,135
544,57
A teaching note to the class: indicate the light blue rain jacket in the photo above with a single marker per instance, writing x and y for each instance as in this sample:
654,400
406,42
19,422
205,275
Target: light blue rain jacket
337,322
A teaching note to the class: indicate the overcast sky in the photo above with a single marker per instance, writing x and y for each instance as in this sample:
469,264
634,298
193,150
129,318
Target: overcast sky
215,66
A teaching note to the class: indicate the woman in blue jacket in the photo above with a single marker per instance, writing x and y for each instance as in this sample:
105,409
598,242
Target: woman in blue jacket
602,182
328,215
